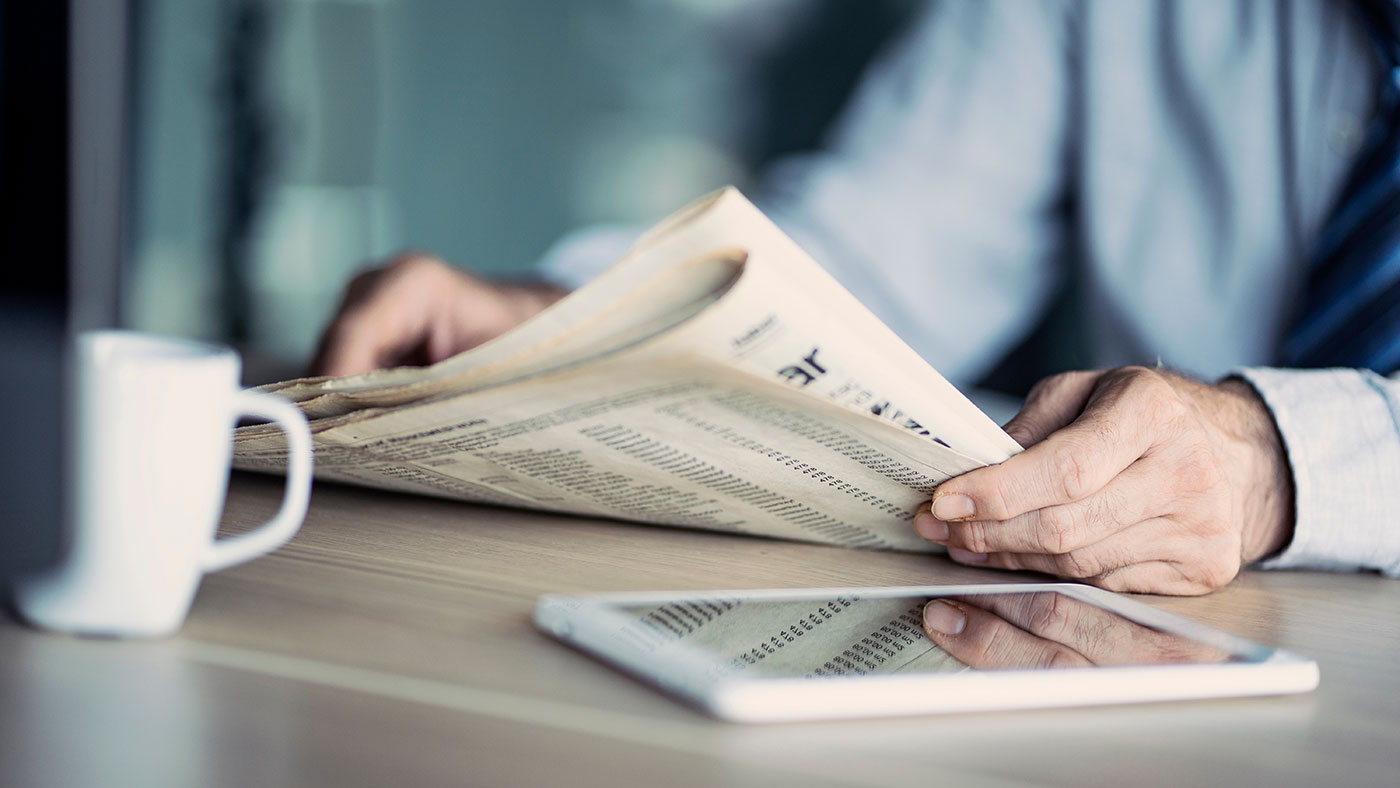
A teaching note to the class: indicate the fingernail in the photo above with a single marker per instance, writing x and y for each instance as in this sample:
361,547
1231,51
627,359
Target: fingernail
955,506
931,528
941,616
967,556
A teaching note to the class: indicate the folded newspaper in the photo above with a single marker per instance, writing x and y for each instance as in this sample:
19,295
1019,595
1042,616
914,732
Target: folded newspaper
715,377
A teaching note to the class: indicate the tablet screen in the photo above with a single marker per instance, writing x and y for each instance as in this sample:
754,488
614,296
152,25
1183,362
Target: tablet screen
851,635
826,653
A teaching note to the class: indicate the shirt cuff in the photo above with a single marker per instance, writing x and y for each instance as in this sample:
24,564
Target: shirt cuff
1342,436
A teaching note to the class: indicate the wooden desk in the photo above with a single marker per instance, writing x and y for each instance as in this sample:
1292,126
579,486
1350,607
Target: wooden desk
390,644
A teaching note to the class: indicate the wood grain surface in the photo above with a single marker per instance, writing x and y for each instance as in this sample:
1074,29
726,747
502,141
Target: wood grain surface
390,644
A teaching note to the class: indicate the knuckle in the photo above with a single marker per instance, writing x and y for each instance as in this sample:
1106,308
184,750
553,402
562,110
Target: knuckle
1047,616
364,278
1209,523
1147,380
1067,465
1218,573
1057,529
1051,384
347,326
1078,564
1198,472
1141,386
1192,587
973,536
409,262
1076,377
1161,647
1170,653
1008,561
362,285
1041,386
995,504
1055,659
1022,428
1160,402
416,272
1119,582
374,284
1113,510
1133,379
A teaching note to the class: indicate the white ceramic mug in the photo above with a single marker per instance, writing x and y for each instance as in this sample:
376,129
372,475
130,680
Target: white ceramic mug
153,438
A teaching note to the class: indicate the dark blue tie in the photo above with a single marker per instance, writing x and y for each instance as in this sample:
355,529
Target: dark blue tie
1350,312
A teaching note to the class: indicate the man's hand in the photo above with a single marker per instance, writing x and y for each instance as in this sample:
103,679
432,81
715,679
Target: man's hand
1133,480
419,310
1050,630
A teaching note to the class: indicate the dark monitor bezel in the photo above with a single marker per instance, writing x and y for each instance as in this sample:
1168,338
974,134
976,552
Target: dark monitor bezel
65,76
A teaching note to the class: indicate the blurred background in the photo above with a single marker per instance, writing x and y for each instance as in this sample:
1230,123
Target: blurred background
279,146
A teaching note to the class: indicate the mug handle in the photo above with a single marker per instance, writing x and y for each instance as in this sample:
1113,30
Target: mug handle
274,533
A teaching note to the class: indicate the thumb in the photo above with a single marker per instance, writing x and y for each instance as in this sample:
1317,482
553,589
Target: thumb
1052,404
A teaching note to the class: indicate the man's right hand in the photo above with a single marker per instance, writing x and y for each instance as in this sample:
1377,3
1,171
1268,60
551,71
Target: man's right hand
1051,630
419,310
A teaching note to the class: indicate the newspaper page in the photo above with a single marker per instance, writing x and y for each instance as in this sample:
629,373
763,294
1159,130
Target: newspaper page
731,394
687,442
665,278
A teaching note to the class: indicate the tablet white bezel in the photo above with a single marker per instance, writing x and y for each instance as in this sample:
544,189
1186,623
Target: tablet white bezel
589,622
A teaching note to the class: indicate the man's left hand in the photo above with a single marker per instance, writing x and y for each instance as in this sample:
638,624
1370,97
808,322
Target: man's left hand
1133,480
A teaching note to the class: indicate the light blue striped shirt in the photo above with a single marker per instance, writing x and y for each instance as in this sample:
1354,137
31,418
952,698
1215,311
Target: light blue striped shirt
1176,158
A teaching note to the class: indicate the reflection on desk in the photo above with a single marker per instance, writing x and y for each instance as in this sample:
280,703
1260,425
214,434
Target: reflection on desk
390,643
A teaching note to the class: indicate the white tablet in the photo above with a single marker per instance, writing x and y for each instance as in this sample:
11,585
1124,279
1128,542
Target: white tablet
803,654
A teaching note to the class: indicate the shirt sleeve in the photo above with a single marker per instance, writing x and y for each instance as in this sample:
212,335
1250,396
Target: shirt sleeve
938,199
1341,429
